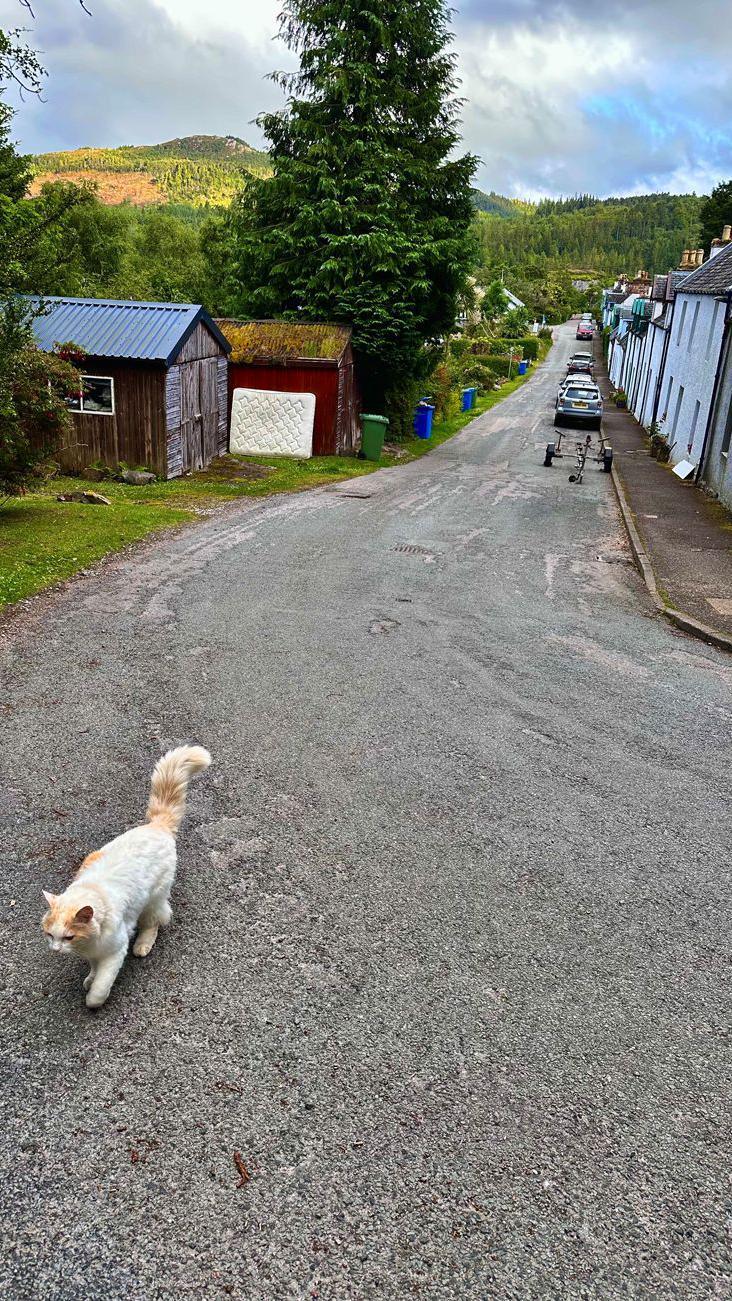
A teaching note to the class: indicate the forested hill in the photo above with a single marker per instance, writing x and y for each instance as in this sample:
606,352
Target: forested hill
498,205
202,171
595,235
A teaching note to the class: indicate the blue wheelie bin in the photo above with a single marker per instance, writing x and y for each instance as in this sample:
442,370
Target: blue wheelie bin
423,420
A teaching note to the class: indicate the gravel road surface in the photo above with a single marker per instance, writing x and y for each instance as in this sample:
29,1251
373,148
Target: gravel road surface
449,965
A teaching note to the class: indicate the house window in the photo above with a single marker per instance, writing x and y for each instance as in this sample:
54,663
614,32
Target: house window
668,397
727,431
713,328
677,412
96,396
682,318
694,320
694,423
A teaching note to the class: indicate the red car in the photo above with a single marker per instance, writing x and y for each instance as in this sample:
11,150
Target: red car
585,332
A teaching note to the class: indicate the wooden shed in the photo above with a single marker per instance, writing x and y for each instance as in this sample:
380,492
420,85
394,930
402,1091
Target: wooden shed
300,357
154,386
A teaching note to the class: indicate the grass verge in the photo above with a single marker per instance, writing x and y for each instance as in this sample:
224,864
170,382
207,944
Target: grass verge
43,541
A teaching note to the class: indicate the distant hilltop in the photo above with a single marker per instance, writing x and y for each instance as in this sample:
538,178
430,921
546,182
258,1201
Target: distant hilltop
202,171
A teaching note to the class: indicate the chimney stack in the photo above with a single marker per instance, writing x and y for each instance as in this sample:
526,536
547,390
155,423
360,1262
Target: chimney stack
719,244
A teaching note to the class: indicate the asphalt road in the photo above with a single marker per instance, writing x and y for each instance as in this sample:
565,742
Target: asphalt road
450,959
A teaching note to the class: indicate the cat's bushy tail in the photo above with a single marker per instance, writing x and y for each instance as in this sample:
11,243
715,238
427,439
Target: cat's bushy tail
170,782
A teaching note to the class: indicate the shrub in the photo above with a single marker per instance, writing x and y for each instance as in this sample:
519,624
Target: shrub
34,389
527,347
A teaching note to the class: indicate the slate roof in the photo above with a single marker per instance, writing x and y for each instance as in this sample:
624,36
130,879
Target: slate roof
714,277
105,327
674,280
658,289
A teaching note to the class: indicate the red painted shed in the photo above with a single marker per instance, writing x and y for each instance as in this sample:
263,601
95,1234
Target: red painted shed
300,357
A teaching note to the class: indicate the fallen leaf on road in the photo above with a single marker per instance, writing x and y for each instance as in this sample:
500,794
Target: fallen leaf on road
244,1175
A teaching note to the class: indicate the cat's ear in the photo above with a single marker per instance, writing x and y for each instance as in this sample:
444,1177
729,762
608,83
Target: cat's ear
50,898
84,914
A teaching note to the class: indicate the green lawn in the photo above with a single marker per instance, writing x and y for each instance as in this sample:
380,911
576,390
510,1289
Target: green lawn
43,540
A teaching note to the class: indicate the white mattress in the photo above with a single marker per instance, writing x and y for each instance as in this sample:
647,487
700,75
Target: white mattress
275,424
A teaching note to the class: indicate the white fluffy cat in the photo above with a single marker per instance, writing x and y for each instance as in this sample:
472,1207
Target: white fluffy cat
125,885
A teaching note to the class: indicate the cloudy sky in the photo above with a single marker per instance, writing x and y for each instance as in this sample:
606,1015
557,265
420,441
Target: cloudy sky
616,97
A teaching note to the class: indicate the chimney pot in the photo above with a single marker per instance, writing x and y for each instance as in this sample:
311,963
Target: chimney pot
727,234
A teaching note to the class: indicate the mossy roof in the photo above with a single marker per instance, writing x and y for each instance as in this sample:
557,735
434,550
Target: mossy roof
284,340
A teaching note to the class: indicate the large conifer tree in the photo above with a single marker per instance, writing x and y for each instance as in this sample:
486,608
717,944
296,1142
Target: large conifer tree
367,217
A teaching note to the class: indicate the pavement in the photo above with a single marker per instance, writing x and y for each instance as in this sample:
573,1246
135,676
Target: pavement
685,534
449,964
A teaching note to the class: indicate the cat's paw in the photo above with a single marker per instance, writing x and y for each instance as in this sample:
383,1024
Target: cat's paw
141,948
96,1000
88,980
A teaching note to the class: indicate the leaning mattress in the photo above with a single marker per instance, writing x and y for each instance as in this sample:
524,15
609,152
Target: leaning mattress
275,424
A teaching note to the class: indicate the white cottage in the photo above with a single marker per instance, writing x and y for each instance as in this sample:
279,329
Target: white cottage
645,394
692,354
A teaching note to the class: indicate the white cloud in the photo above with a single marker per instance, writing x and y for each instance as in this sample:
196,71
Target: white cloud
562,95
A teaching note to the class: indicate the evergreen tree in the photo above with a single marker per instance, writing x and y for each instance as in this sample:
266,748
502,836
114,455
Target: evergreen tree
366,219
714,213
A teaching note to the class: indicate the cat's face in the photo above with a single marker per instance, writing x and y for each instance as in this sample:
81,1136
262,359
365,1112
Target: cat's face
64,925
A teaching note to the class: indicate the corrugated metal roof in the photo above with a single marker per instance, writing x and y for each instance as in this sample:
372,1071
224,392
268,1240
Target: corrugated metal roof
279,340
714,277
105,327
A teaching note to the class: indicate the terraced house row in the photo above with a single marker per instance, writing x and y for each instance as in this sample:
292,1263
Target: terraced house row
670,352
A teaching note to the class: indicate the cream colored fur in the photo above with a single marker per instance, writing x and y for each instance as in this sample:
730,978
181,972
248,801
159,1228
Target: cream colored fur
125,886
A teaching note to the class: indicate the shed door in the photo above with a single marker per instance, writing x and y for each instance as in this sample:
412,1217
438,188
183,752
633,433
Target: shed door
199,412
209,407
191,423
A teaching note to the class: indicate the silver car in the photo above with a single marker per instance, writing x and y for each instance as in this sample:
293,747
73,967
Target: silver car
579,403
577,381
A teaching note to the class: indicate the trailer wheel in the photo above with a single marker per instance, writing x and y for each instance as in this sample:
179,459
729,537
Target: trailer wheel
607,459
549,453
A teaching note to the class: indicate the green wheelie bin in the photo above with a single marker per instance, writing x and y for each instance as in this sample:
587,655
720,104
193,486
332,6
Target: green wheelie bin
373,433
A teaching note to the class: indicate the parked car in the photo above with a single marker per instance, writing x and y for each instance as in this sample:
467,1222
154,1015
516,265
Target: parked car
578,403
578,381
581,361
585,330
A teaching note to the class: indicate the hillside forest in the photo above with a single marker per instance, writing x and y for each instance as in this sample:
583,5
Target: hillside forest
155,222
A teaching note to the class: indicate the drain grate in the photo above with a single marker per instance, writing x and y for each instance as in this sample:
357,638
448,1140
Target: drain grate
362,496
412,549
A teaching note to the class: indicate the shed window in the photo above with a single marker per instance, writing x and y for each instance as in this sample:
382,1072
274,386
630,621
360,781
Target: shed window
96,396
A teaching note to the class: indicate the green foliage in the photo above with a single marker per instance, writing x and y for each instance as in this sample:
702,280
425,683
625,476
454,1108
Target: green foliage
541,253
515,323
714,213
499,205
494,302
366,218
34,386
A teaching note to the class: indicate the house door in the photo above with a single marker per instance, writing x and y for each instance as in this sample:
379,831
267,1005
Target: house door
191,419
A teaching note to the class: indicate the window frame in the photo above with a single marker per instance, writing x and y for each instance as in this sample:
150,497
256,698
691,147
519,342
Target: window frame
81,411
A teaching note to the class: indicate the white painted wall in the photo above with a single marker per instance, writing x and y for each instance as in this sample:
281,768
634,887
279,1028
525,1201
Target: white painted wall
717,468
688,379
653,362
